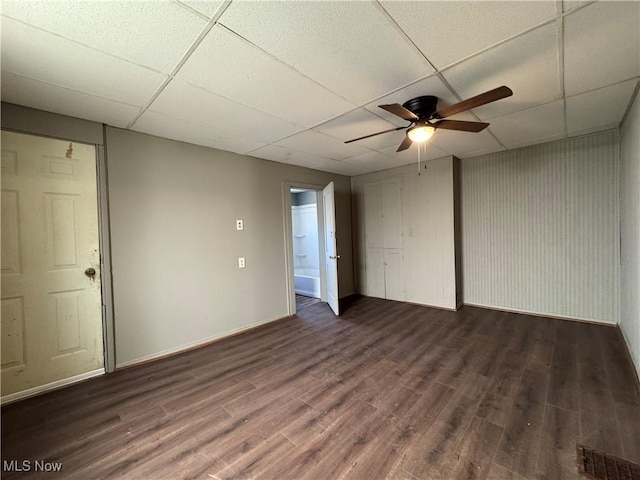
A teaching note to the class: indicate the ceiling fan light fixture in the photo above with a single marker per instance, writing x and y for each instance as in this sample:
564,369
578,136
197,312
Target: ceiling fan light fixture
420,133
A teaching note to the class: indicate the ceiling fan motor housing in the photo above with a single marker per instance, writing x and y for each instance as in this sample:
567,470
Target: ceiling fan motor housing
423,107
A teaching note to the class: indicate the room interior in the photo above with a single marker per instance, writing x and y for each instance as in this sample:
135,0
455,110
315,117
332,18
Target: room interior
205,112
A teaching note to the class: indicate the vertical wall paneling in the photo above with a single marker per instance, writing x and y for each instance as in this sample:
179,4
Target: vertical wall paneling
540,227
630,230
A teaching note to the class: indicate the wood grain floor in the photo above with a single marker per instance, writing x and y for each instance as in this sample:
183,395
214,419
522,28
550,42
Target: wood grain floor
388,390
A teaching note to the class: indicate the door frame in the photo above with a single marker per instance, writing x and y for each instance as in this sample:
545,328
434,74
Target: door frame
288,241
59,127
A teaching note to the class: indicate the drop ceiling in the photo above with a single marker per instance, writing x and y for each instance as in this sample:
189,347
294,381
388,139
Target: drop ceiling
290,81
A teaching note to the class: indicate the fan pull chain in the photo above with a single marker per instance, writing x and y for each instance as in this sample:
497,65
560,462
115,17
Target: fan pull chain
419,148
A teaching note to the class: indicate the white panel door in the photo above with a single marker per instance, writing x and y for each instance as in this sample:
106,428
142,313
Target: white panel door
330,247
51,310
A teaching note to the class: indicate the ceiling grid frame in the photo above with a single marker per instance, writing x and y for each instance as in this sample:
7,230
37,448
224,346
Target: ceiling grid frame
607,91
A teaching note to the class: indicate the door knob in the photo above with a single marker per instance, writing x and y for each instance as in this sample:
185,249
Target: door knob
334,257
91,273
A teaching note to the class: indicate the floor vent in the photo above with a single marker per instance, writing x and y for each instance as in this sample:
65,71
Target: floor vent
598,465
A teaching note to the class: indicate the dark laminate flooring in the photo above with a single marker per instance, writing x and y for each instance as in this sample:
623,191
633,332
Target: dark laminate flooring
303,302
388,390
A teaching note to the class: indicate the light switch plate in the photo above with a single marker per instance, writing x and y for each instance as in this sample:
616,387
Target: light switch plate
239,225
240,262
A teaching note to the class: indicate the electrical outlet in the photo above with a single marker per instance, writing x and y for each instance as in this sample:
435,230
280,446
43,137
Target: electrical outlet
239,225
240,262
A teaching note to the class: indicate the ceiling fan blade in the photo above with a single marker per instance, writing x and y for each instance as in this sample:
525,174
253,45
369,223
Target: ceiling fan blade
461,125
374,134
400,111
406,143
473,102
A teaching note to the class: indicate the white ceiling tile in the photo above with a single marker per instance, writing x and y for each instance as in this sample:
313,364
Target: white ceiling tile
534,125
447,32
602,45
42,56
357,124
352,48
428,152
429,86
568,5
374,161
528,65
209,8
286,155
228,65
599,108
465,144
322,145
163,126
189,103
340,168
51,98
155,34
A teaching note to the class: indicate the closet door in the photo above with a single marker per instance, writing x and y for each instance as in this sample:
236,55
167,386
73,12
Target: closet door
393,278
375,273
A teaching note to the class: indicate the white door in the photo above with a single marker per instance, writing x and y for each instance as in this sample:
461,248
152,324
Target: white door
330,247
51,310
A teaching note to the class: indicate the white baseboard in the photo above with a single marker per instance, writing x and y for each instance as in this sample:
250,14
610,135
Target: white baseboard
575,318
190,345
14,397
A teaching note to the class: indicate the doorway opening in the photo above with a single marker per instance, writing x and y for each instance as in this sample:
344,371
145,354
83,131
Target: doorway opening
305,229
311,255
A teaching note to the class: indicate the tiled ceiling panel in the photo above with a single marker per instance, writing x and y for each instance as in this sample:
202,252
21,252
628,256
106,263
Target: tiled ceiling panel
599,109
465,144
226,64
39,55
317,143
352,48
375,161
602,45
528,65
176,129
208,8
534,125
427,152
190,103
292,81
447,32
154,34
286,155
52,98
356,124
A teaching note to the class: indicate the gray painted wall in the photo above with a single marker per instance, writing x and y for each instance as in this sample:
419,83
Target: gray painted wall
175,247
630,231
540,228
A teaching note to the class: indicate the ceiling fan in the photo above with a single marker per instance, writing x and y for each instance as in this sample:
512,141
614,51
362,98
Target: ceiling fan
425,119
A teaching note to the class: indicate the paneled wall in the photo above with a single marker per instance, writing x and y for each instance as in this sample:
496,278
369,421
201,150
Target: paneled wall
630,231
540,228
